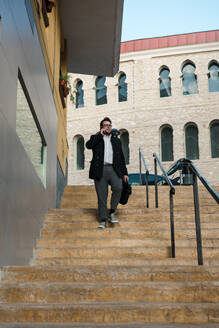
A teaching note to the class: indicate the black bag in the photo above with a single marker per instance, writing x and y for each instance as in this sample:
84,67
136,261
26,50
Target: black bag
126,192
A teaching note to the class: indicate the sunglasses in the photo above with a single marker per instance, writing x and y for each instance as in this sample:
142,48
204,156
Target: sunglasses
108,125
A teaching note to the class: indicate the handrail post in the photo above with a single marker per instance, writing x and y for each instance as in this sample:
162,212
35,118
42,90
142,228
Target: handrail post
140,177
172,224
141,157
146,182
197,220
155,182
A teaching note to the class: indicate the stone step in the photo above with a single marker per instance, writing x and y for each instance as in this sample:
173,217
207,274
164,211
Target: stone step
125,252
140,202
164,217
125,223
162,190
140,210
108,313
121,325
156,273
135,204
122,262
138,195
116,232
127,292
111,252
163,193
102,242
122,276
182,188
141,192
118,242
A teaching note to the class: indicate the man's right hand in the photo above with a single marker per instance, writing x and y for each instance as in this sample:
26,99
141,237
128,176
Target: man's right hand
102,131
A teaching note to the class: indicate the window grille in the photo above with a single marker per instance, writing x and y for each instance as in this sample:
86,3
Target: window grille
122,88
192,147
101,91
167,144
165,83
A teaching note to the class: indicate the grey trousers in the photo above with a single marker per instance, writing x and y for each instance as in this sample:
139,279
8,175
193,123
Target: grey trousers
109,178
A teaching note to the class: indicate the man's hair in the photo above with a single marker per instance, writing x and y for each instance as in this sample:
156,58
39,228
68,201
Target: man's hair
105,119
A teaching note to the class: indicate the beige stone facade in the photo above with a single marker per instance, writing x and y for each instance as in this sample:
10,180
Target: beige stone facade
145,112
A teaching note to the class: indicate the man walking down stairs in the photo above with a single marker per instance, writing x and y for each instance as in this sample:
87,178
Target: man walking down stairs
118,277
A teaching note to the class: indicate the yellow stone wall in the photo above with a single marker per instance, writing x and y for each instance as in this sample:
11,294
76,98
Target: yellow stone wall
54,52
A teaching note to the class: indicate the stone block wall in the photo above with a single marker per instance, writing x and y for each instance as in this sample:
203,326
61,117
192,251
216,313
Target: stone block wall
144,113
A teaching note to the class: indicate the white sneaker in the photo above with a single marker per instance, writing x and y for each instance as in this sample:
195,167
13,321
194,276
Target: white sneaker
102,225
113,219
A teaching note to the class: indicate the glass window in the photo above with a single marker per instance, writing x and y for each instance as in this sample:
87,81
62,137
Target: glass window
213,78
167,144
215,140
122,88
80,153
192,147
29,131
101,91
124,138
165,83
189,80
79,95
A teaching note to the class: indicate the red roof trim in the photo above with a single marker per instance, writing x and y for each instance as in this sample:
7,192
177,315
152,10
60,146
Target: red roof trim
170,41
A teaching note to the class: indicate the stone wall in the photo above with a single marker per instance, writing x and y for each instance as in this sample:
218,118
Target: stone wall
145,112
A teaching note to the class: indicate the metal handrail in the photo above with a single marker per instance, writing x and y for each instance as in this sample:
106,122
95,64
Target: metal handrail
212,192
171,193
188,163
204,182
141,157
164,173
183,163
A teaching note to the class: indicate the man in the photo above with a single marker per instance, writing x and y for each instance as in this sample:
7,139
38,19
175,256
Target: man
107,168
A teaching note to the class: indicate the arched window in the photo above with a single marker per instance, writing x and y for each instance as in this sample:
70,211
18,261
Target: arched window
124,138
167,144
191,138
214,128
189,79
80,153
79,94
101,91
165,83
213,77
122,88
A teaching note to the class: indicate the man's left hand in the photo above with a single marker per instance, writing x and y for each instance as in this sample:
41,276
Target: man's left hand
126,178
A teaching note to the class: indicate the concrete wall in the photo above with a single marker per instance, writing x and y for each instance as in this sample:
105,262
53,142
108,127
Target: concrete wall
23,198
145,112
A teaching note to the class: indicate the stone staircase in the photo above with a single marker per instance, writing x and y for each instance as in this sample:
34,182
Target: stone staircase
122,276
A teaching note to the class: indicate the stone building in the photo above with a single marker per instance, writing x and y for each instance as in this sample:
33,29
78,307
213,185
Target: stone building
165,99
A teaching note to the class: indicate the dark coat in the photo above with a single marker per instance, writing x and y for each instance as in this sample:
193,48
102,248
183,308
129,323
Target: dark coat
96,143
